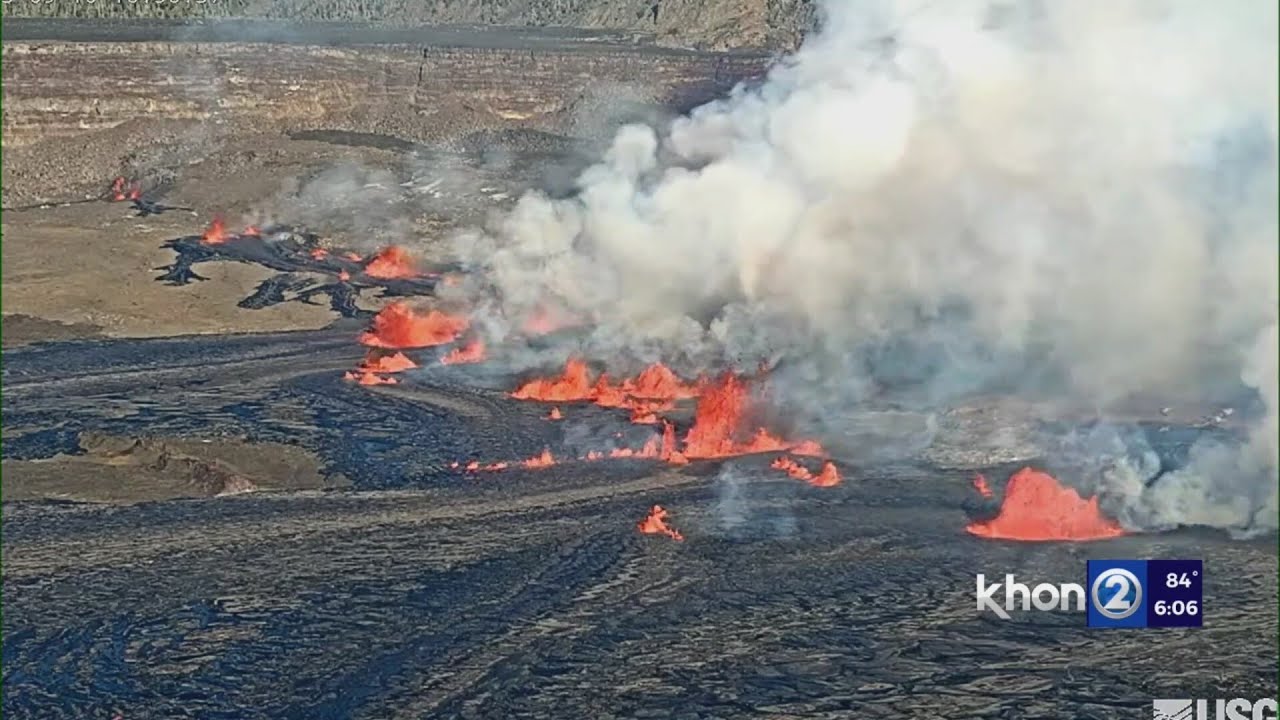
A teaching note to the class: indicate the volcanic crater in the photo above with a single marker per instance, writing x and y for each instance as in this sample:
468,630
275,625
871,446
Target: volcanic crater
371,510
518,544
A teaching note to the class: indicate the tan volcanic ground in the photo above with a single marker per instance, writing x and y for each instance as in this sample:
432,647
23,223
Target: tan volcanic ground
213,126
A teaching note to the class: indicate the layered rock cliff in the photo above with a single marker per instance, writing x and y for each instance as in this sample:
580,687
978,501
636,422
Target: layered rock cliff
704,24
72,110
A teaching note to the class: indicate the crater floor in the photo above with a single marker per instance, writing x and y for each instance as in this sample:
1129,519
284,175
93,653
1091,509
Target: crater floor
431,592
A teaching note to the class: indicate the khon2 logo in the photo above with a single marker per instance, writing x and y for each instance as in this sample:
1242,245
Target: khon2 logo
1115,594
1118,594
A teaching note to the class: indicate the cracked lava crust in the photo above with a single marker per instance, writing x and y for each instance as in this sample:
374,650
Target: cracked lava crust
488,563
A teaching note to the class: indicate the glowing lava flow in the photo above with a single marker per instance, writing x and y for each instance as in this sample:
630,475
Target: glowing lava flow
398,326
828,476
980,484
545,459
656,524
391,263
375,362
574,384
1037,508
122,190
216,233
381,362
472,352
653,391
718,422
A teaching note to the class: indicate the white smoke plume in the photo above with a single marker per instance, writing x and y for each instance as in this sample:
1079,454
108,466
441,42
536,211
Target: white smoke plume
1076,198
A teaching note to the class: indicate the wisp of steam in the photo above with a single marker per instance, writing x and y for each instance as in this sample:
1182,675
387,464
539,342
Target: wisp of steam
1074,200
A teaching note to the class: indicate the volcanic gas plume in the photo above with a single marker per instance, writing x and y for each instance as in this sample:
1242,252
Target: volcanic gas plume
931,202
545,319
1037,507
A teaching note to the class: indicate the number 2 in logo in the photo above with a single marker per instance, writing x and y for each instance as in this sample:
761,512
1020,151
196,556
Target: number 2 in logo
1116,594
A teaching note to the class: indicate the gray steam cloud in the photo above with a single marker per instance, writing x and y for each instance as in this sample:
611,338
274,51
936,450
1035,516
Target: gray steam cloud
1074,200
364,206
747,507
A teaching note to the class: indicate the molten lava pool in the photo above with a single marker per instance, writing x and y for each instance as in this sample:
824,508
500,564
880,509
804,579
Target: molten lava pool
1037,507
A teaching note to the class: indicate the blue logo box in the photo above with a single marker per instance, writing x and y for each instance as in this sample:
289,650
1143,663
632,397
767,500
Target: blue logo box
1145,593
1176,593
1116,593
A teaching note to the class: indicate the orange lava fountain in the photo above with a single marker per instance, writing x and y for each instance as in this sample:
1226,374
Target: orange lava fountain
541,461
654,390
216,233
381,362
398,326
828,476
1038,508
656,524
391,263
472,352
573,385
718,423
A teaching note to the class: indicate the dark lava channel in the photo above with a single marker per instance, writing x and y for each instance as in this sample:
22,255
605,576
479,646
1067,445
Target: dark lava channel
428,592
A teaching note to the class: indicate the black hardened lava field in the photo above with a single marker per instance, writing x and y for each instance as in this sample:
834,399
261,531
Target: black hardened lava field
438,588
